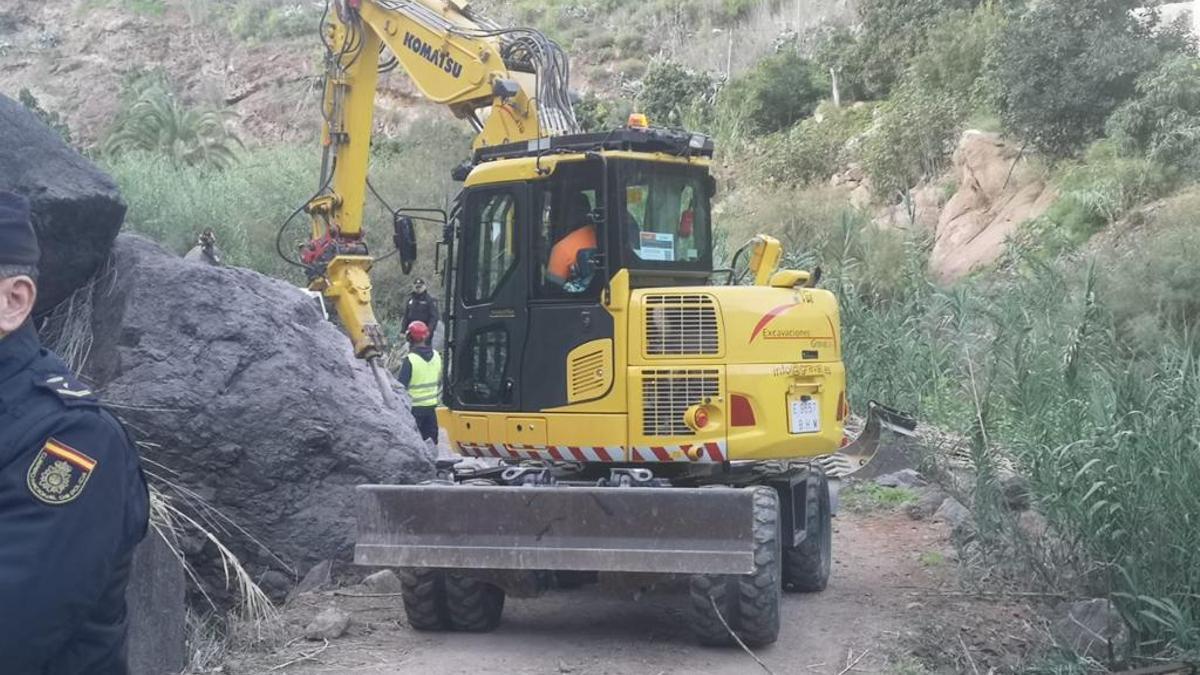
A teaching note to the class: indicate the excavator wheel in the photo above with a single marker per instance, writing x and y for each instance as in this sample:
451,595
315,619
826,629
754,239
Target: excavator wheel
748,603
806,566
473,606
424,594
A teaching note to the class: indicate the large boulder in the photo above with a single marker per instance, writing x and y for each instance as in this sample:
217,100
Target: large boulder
77,210
248,397
998,189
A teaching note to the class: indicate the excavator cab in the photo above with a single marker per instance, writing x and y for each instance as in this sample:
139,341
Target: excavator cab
542,238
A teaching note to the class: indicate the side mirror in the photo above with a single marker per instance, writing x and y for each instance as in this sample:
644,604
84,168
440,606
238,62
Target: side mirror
710,184
404,236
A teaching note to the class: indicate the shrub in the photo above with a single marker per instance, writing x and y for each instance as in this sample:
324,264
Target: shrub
814,149
50,119
1097,191
598,114
838,49
913,136
1154,285
779,91
956,51
158,123
1164,121
670,92
817,228
893,32
1061,69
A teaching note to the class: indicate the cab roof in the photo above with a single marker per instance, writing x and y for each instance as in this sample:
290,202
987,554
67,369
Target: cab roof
633,139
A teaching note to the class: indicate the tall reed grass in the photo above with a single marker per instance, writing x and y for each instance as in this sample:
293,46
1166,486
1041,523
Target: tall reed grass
246,204
1036,361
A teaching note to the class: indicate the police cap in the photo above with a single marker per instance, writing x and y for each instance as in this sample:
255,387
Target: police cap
18,241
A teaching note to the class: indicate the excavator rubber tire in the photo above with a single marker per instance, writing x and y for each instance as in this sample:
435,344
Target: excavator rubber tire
473,606
424,594
807,565
749,603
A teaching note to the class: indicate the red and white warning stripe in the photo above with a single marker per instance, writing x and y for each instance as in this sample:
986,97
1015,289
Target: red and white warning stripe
702,453
705,453
550,453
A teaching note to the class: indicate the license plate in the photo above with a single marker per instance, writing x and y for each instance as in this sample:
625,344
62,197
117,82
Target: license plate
805,417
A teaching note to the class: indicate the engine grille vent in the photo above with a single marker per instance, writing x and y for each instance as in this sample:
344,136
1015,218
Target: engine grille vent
682,325
590,373
667,394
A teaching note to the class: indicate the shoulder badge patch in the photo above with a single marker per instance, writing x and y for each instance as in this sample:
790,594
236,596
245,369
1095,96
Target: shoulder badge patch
67,387
59,473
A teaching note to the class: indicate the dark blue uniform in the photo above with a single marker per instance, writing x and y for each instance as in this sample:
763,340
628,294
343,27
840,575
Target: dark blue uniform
73,505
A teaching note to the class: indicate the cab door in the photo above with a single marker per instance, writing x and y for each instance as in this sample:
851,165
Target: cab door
491,292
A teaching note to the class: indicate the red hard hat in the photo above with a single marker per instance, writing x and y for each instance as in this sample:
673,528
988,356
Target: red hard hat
417,331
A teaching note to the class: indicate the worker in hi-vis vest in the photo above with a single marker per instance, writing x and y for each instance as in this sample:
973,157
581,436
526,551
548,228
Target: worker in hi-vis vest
421,374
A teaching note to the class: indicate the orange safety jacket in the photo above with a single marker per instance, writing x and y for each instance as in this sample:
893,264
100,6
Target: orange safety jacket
566,252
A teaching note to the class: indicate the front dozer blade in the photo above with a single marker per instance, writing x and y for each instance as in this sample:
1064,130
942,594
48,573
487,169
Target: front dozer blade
662,530
855,456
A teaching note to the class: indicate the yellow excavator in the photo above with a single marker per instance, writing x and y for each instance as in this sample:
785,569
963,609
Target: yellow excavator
630,408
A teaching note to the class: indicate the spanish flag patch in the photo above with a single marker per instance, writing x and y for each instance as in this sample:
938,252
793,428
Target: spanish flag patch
59,473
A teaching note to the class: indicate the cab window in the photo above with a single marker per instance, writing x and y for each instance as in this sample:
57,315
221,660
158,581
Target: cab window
567,237
666,216
490,250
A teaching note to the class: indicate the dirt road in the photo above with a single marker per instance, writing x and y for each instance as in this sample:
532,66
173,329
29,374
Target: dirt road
892,606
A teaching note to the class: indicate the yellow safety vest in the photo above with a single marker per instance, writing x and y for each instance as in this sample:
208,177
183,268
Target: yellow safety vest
424,387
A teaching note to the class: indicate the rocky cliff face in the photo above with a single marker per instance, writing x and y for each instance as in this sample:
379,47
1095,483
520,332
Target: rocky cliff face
997,191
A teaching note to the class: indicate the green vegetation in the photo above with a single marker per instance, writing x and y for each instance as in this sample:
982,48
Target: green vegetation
598,114
157,122
1096,191
259,20
932,559
670,93
1163,122
864,497
1099,428
246,203
814,149
781,90
1064,66
152,8
51,119
561,19
871,63
1083,367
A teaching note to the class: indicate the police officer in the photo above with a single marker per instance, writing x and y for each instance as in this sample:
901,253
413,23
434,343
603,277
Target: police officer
421,307
73,501
421,373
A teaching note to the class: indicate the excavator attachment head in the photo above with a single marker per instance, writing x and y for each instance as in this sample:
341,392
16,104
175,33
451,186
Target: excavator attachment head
609,529
857,455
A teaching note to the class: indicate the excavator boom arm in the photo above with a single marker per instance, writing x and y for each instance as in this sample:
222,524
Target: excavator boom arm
455,58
